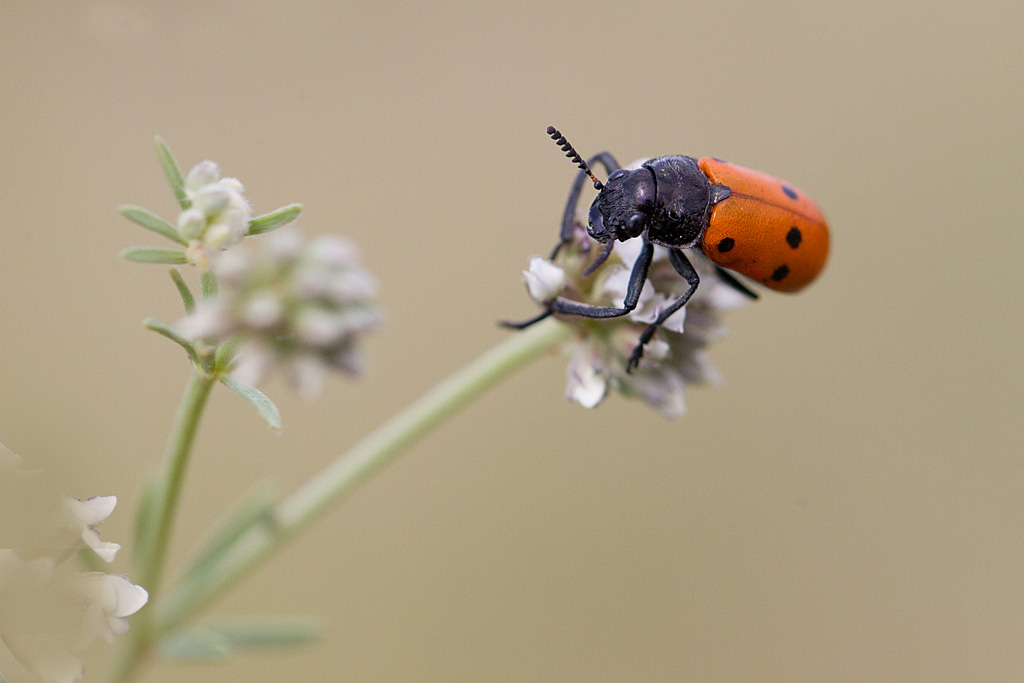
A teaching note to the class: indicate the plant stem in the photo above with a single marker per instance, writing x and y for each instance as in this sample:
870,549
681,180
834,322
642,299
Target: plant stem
161,520
173,476
351,470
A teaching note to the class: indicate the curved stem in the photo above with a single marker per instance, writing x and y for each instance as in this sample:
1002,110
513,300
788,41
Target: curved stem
160,520
173,476
351,470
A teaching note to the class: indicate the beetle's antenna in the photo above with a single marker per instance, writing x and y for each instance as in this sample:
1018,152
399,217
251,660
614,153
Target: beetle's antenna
573,154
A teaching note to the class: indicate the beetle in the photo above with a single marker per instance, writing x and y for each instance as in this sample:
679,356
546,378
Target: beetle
743,220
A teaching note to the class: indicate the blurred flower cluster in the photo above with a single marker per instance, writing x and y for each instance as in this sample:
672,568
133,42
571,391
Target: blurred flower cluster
301,305
51,610
674,358
277,299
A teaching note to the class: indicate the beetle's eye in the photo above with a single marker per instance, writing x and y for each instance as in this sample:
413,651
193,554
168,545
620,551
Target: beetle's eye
616,174
634,224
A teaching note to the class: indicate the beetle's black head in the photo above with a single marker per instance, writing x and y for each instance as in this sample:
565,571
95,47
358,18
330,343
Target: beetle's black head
623,206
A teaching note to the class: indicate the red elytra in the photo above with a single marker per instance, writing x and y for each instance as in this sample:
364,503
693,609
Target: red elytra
766,229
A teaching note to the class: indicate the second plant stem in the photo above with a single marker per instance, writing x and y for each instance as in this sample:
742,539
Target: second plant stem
349,471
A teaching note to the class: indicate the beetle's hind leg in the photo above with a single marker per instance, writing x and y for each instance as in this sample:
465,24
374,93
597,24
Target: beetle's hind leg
727,278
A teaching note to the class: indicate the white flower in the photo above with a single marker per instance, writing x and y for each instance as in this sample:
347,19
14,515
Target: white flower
110,600
218,216
50,611
675,356
586,377
295,305
544,279
49,614
81,517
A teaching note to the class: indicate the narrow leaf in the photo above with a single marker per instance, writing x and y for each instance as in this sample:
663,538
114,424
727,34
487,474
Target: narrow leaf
167,331
184,291
274,219
263,405
154,255
263,632
195,644
254,507
215,640
226,353
173,173
150,221
209,285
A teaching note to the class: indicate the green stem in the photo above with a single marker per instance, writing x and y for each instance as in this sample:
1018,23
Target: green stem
173,476
351,470
161,520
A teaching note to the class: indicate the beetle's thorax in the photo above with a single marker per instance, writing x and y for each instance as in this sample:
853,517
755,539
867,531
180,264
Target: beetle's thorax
683,201
668,198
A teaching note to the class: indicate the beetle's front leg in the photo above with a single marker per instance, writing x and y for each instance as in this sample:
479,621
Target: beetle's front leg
683,266
637,278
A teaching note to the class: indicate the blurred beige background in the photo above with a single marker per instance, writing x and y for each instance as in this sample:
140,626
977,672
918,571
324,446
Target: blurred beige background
849,507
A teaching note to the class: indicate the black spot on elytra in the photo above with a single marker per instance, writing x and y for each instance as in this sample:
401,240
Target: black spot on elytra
793,237
790,192
726,244
780,273
721,161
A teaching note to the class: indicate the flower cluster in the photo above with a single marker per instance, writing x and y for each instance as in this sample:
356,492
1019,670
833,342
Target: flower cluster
301,304
50,612
675,356
218,216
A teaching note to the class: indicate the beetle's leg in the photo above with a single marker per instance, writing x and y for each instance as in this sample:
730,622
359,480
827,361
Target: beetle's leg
727,278
525,323
636,284
637,278
683,266
569,217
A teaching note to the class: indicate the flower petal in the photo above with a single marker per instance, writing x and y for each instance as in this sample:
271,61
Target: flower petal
544,280
586,381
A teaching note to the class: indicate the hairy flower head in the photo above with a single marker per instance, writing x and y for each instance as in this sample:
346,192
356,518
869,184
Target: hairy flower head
598,356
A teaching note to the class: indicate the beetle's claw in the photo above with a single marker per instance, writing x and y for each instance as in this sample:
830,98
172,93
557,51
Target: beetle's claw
634,359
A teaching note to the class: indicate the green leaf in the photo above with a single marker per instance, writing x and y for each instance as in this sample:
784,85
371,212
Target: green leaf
195,644
253,508
226,353
263,405
184,291
209,285
173,173
150,221
153,255
216,640
274,219
172,334
251,633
